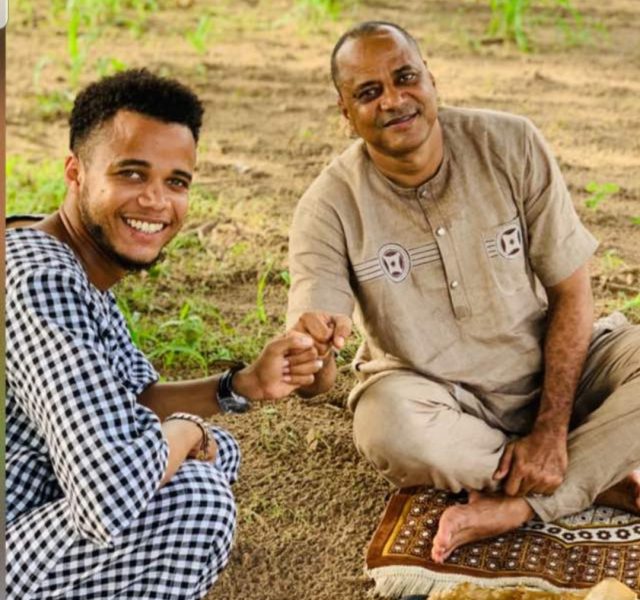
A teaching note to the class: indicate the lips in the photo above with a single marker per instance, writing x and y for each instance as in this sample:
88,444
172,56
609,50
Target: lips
144,226
400,119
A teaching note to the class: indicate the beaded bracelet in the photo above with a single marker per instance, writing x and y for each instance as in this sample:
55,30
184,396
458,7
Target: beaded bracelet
204,428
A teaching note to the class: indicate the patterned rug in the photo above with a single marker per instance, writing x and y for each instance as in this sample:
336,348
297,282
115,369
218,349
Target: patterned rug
571,554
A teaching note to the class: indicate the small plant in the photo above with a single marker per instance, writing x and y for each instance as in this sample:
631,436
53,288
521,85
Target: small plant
185,336
599,193
198,37
320,10
261,311
33,188
508,20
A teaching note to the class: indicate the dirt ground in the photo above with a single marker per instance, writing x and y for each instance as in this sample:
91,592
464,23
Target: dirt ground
307,503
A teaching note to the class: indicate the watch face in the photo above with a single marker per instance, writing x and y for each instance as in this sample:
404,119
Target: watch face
234,403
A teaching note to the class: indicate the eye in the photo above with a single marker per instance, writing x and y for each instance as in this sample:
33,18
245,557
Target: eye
407,77
177,182
367,94
131,174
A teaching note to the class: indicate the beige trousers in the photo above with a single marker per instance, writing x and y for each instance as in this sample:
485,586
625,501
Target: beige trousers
416,432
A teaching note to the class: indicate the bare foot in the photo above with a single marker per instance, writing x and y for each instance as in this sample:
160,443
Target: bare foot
624,495
483,517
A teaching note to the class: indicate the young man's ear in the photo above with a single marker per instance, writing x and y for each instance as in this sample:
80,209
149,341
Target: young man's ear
73,172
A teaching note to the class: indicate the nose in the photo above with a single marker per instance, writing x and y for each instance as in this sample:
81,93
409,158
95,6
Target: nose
153,196
391,98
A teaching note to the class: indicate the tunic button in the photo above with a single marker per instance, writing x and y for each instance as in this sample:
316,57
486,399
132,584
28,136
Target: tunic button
441,231
454,284
423,194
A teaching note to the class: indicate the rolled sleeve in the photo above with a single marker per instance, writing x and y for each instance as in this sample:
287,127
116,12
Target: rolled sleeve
559,243
107,451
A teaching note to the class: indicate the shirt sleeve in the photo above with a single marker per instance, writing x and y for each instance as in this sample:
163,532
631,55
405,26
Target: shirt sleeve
559,243
318,262
107,451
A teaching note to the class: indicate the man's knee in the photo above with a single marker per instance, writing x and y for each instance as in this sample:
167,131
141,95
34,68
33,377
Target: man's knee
407,451
425,443
200,509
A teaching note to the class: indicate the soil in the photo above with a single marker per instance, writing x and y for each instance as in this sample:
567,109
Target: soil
307,502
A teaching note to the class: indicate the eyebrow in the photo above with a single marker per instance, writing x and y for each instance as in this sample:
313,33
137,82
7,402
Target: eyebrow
135,162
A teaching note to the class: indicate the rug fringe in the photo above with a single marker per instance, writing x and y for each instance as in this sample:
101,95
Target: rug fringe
397,581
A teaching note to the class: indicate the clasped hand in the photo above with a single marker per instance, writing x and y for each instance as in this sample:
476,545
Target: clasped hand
535,463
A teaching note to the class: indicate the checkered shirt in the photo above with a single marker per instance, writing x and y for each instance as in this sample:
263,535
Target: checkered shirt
74,428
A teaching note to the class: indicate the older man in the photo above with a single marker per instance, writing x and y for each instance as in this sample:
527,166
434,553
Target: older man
115,485
453,236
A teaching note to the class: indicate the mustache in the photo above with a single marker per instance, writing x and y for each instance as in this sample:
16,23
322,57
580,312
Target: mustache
393,116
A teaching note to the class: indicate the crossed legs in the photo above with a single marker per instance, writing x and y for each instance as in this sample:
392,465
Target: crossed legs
415,432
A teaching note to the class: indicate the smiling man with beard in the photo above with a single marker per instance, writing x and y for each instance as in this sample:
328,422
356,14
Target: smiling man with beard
116,486
451,236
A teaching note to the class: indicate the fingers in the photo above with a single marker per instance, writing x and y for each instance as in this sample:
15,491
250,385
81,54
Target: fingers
514,481
307,368
299,380
341,331
292,341
505,463
318,325
302,356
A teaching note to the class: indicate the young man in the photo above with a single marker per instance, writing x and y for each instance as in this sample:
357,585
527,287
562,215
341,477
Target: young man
115,485
452,234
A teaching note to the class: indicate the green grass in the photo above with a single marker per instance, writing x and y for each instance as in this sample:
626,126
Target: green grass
599,192
511,20
33,187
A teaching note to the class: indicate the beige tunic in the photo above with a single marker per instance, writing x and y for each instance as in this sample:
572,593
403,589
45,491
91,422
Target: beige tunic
446,279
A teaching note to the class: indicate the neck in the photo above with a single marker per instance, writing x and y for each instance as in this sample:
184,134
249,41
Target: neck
415,168
101,270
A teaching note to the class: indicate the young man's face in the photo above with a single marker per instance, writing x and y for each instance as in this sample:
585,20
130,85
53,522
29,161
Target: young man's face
133,182
386,92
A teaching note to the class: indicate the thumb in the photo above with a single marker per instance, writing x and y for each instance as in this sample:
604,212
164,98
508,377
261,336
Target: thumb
505,463
342,330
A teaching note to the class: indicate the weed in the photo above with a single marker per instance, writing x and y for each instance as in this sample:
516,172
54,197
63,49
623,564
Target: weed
599,193
261,311
185,336
509,18
109,66
33,188
611,262
198,37
320,10
635,220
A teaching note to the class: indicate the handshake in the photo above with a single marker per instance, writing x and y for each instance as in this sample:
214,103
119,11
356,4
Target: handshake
301,360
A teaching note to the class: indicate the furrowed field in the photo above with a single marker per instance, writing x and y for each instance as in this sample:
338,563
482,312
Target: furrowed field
307,503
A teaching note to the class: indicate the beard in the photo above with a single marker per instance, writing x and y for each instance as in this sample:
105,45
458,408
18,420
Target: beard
102,240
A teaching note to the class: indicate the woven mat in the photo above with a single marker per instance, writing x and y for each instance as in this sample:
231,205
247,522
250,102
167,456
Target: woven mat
571,554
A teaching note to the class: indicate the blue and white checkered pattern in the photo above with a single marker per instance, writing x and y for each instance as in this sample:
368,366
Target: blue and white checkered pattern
85,518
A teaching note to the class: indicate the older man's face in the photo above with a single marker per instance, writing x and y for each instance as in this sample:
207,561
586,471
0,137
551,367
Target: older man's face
386,92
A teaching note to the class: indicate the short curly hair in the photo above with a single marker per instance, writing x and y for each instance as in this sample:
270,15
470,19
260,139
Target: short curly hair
137,90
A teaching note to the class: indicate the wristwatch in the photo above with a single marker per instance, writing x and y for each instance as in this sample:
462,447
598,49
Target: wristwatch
228,400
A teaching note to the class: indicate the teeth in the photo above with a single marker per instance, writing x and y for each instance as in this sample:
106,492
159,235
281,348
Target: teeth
144,226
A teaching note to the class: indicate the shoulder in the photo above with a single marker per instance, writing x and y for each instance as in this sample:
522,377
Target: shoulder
481,126
42,273
29,249
338,178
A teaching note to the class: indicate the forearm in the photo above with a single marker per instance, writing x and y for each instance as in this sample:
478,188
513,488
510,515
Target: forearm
196,396
565,349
